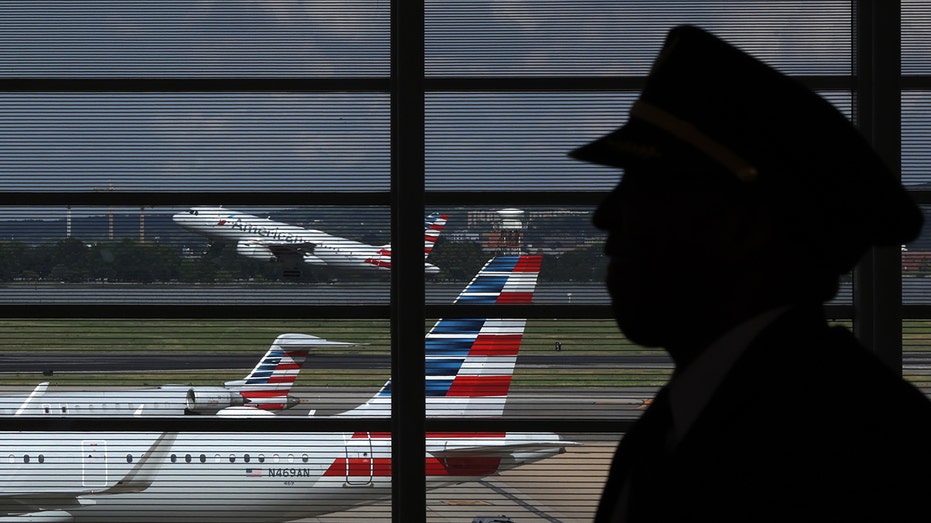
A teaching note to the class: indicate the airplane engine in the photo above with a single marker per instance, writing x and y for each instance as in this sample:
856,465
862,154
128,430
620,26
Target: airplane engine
208,400
255,250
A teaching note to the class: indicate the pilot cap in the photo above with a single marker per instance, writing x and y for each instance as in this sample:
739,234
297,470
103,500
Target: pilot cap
707,101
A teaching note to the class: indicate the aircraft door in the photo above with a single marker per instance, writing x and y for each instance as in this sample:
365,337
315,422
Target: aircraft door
359,464
94,463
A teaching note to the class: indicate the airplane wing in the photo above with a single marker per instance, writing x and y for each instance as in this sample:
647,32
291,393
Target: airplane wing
487,453
298,252
291,255
51,504
482,443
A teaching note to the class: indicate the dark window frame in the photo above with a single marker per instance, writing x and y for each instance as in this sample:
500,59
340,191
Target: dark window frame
877,305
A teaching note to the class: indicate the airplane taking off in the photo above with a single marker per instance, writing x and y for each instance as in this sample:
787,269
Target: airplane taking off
267,240
275,477
265,389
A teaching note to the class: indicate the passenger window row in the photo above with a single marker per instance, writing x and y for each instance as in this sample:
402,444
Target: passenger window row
27,458
188,458
217,458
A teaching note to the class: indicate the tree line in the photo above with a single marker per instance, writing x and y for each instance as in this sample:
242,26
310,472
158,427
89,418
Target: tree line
129,261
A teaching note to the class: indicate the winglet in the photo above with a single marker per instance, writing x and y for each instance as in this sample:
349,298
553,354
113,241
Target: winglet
37,392
140,477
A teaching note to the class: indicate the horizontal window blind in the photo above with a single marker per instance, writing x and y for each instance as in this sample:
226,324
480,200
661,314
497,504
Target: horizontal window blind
916,134
194,142
596,38
916,37
236,38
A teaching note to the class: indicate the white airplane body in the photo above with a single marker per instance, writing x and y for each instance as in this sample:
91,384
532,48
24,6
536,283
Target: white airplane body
266,388
246,477
264,239
272,477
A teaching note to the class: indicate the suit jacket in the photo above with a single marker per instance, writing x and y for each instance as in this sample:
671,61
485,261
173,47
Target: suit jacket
807,426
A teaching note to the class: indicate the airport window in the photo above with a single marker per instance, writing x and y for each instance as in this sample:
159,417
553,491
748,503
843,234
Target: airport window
120,121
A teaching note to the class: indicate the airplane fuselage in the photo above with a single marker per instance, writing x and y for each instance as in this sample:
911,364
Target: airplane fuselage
266,239
254,477
166,400
266,476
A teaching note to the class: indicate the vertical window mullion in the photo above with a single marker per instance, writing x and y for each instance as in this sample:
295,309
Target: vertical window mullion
407,275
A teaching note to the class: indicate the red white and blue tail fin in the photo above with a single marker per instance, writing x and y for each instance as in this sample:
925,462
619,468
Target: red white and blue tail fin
470,361
268,386
432,227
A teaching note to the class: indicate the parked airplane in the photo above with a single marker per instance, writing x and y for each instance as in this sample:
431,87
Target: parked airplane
267,240
266,388
274,477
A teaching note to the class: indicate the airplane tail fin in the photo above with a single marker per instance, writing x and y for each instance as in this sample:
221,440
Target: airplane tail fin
268,386
433,226
470,361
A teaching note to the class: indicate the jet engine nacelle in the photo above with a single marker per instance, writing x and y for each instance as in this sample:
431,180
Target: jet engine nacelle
311,259
255,250
208,400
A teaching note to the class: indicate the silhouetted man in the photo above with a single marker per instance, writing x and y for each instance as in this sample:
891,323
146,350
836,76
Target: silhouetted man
744,197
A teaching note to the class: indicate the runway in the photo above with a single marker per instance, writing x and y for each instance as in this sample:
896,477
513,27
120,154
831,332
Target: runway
916,291
339,293
128,361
